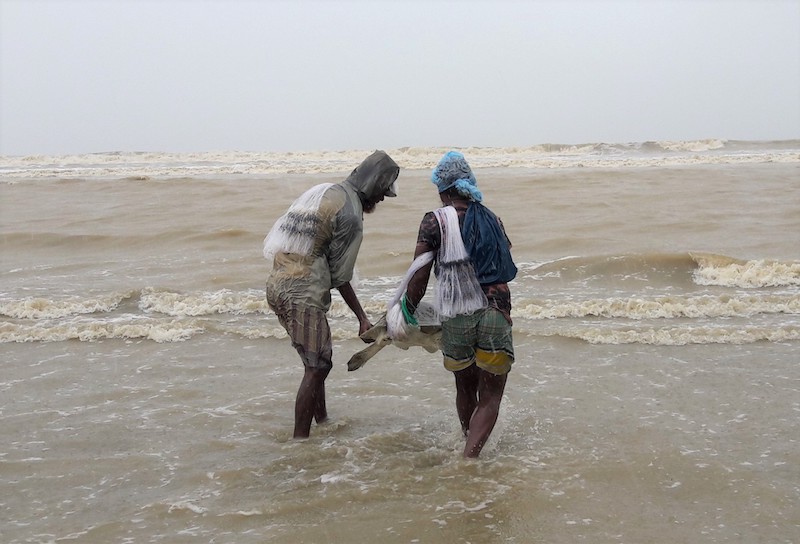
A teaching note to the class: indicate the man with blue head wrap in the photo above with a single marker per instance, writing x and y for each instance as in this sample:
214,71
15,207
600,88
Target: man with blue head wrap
454,172
466,245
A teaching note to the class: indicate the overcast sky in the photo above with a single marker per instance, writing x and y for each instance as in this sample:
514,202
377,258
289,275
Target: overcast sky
79,76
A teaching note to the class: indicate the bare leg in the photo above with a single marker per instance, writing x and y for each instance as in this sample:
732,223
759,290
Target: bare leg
320,410
490,394
466,395
310,401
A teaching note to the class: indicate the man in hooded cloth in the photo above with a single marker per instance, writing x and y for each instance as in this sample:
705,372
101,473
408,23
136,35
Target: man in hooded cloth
313,249
468,245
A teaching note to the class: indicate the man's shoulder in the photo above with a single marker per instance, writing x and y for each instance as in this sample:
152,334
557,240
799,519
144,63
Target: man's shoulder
334,199
429,227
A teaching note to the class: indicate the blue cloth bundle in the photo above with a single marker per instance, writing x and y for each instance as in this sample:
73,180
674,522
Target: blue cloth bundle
487,246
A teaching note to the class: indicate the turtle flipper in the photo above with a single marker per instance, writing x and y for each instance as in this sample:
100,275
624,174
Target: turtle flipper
360,358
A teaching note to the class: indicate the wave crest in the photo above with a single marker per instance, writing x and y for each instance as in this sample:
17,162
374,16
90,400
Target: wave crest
142,167
95,330
728,272
42,308
669,307
206,303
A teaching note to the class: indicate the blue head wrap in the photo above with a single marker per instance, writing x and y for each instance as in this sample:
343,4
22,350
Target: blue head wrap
453,171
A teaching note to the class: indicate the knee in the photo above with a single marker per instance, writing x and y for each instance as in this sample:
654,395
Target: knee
493,401
316,375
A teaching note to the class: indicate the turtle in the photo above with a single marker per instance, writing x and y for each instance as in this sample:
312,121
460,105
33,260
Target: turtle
427,335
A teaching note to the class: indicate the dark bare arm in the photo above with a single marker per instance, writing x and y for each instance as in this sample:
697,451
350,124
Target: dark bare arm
349,296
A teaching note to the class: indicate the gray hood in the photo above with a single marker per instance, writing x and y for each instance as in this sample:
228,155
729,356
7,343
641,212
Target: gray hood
375,176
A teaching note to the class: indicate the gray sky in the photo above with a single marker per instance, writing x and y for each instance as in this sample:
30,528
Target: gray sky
79,76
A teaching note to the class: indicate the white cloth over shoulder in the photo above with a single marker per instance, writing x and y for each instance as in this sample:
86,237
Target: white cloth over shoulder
457,289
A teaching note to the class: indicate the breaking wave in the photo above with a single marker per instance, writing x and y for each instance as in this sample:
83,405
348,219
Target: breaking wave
729,272
144,166
705,269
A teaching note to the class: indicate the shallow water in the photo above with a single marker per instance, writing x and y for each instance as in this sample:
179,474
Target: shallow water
133,440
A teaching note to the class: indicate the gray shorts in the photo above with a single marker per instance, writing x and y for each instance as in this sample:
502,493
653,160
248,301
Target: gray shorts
308,330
